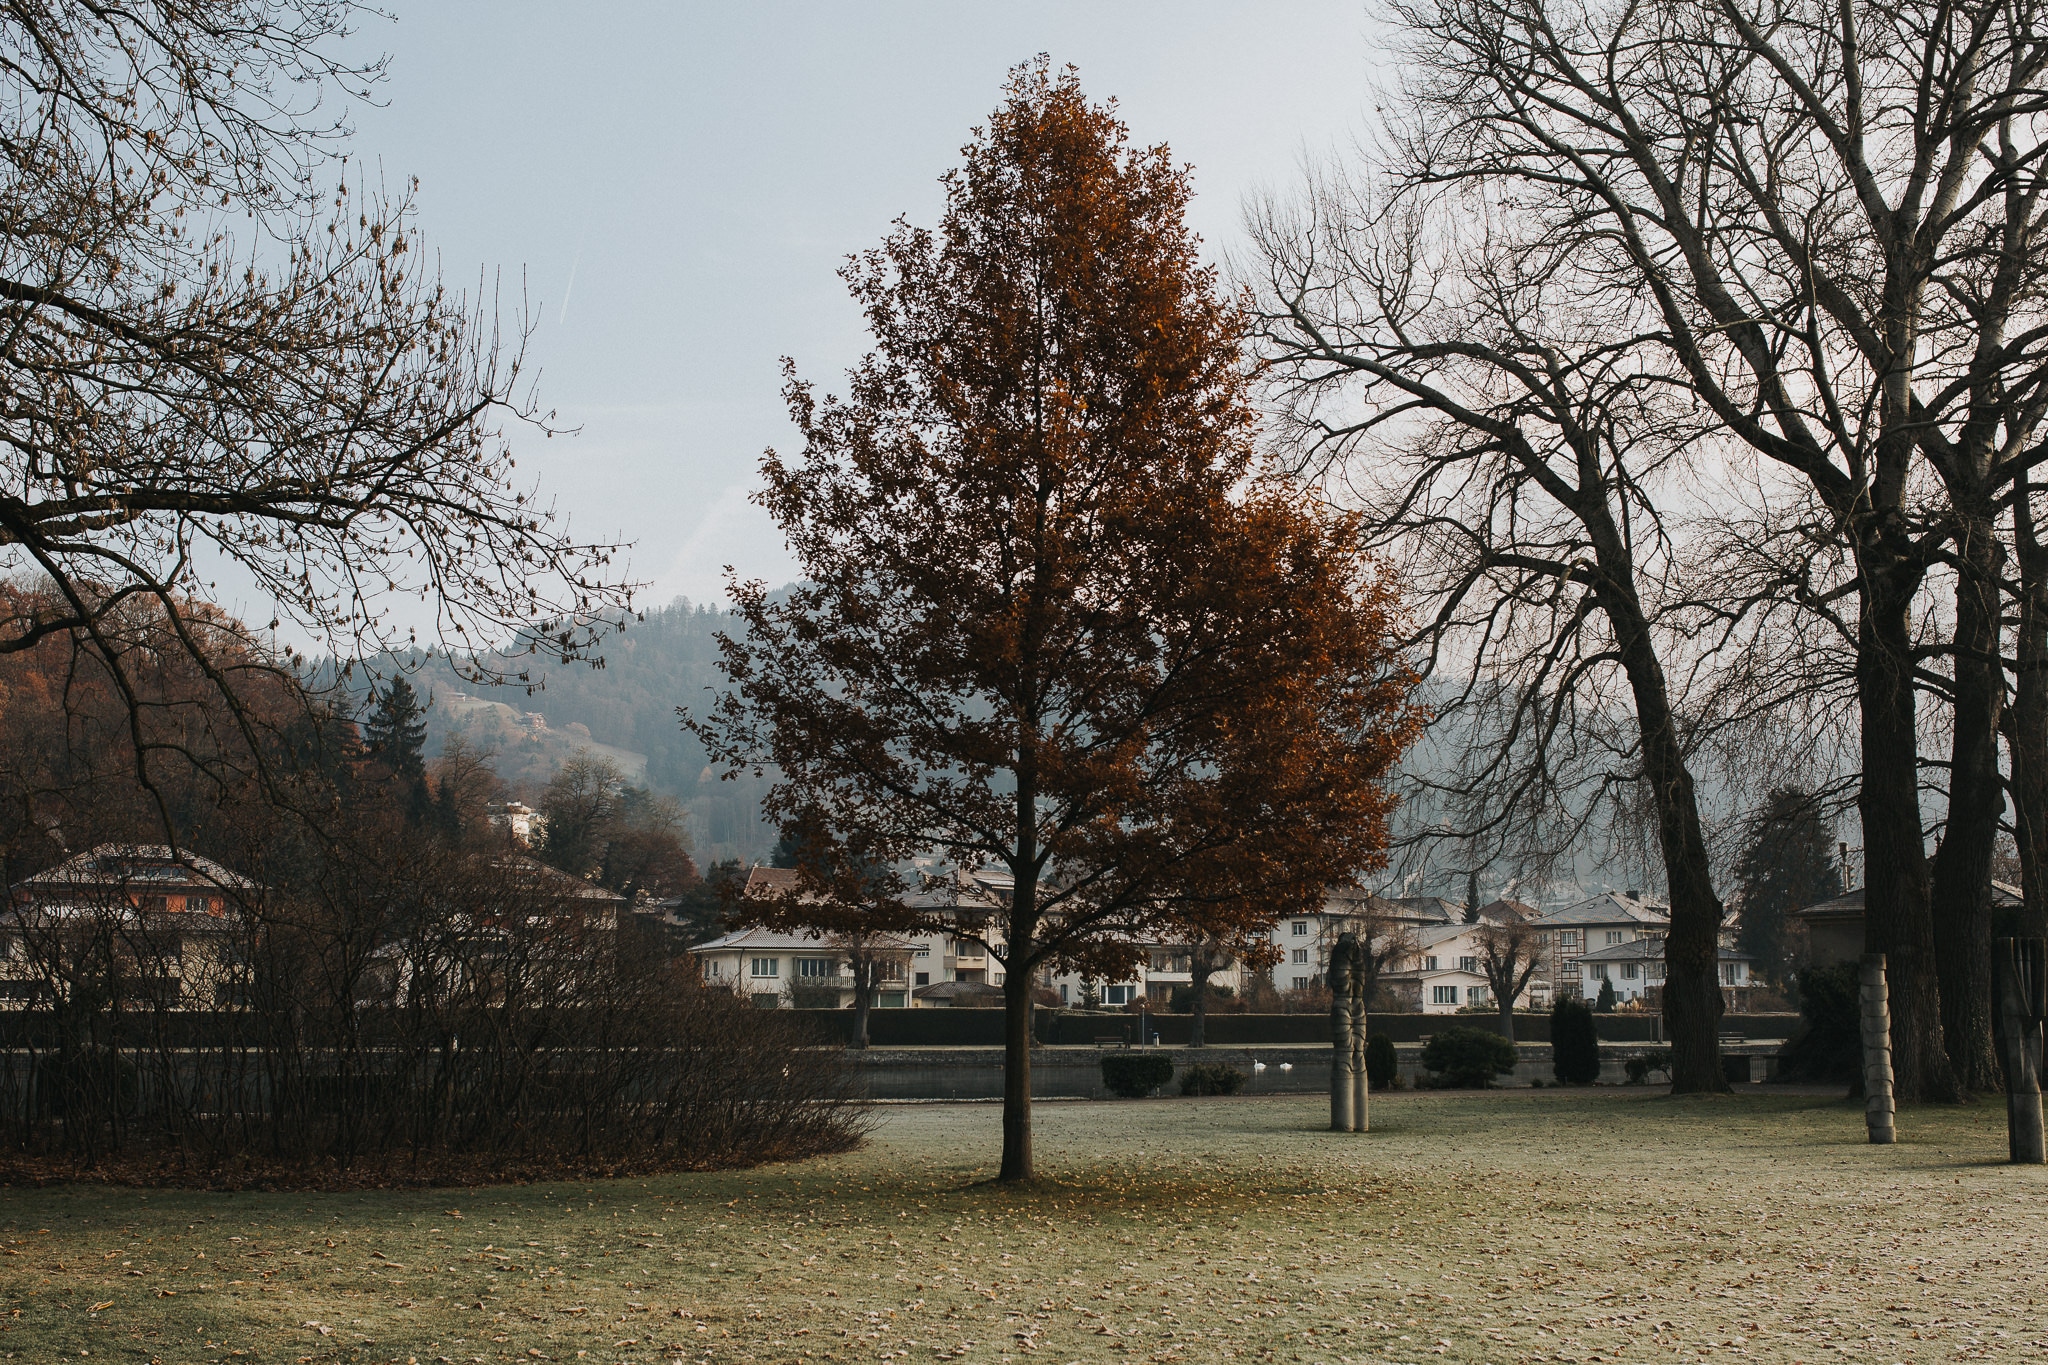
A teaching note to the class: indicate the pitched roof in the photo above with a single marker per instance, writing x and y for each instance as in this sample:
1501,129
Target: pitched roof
1505,911
137,865
1611,908
1424,909
1430,935
754,938
770,881
1849,905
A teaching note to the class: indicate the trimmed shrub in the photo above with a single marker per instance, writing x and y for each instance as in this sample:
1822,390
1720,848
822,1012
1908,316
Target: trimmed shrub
1639,1068
1464,1056
1382,1067
1211,1078
1134,1075
1828,1044
1605,1003
1574,1046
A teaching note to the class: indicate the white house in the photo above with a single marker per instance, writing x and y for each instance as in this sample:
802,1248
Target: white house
1445,972
1605,921
1636,967
776,969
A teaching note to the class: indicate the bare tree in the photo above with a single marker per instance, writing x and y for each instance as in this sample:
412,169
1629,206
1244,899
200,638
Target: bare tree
1507,422
217,349
1831,211
1509,953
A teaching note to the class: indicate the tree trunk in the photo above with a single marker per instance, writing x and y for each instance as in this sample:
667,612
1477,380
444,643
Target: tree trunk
1897,920
863,997
1198,1009
1507,1017
1960,895
1692,948
2027,722
1017,1163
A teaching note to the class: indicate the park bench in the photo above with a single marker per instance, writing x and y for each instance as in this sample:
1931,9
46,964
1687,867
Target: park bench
1112,1040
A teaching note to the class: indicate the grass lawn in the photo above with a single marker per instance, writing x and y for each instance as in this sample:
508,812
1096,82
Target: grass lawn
1531,1225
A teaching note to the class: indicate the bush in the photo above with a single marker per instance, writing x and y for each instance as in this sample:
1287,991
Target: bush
1574,1046
1605,1002
1211,1078
1134,1075
1639,1068
1181,999
1828,1044
1464,1056
1382,1067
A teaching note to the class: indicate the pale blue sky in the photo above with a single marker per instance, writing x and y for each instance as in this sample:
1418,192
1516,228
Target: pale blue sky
704,168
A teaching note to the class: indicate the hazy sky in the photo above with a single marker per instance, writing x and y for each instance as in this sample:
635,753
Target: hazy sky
671,187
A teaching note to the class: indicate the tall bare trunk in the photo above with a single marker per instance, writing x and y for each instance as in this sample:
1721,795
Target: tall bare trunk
1897,917
2026,724
1960,894
1692,956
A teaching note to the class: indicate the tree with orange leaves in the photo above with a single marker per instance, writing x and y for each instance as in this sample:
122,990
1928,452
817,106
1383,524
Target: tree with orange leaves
1056,617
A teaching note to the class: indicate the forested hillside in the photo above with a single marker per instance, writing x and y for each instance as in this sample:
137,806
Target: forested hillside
629,703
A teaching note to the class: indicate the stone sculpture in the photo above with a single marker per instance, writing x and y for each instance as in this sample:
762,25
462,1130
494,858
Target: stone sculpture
1347,1035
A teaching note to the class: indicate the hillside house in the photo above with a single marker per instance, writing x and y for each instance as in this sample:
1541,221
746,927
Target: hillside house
168,921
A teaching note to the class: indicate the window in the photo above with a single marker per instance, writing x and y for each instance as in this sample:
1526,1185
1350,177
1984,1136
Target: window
1613,936
1656,972
767,966
923,950
1300,958
714,969
890,971
1116,995
1429,964
1476,996
1569,938
1628,971
1301,983
1063,989
1301,928
1171,960
1728,973
998,981
1444,995
1544,938
815,966
1600,971
1468,964
925,979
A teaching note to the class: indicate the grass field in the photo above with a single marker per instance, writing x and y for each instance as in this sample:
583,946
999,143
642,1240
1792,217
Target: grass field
1533,1225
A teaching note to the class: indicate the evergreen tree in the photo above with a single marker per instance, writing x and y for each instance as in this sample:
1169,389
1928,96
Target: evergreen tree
1605,1001
395,732
1788,862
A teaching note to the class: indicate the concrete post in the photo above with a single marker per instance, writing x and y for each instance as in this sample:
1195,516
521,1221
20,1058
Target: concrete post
1880,1112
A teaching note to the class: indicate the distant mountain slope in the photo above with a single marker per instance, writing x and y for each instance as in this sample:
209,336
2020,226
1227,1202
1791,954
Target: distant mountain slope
625,709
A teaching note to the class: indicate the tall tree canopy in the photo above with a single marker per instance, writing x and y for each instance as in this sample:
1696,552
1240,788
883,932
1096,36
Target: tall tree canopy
1055,617
395,731
1787,862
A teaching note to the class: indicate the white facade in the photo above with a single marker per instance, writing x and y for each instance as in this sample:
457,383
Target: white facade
1634,968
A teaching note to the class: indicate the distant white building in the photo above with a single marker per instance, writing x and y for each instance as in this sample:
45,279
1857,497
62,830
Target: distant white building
1599,922
1637,967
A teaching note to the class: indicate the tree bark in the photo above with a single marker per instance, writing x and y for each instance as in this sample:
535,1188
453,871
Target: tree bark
1507,1019
1692,948
2027,720
1897,919
863,997
1960,894
1017,1163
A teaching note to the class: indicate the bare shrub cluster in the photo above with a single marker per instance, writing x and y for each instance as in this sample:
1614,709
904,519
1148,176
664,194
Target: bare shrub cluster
427,1015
